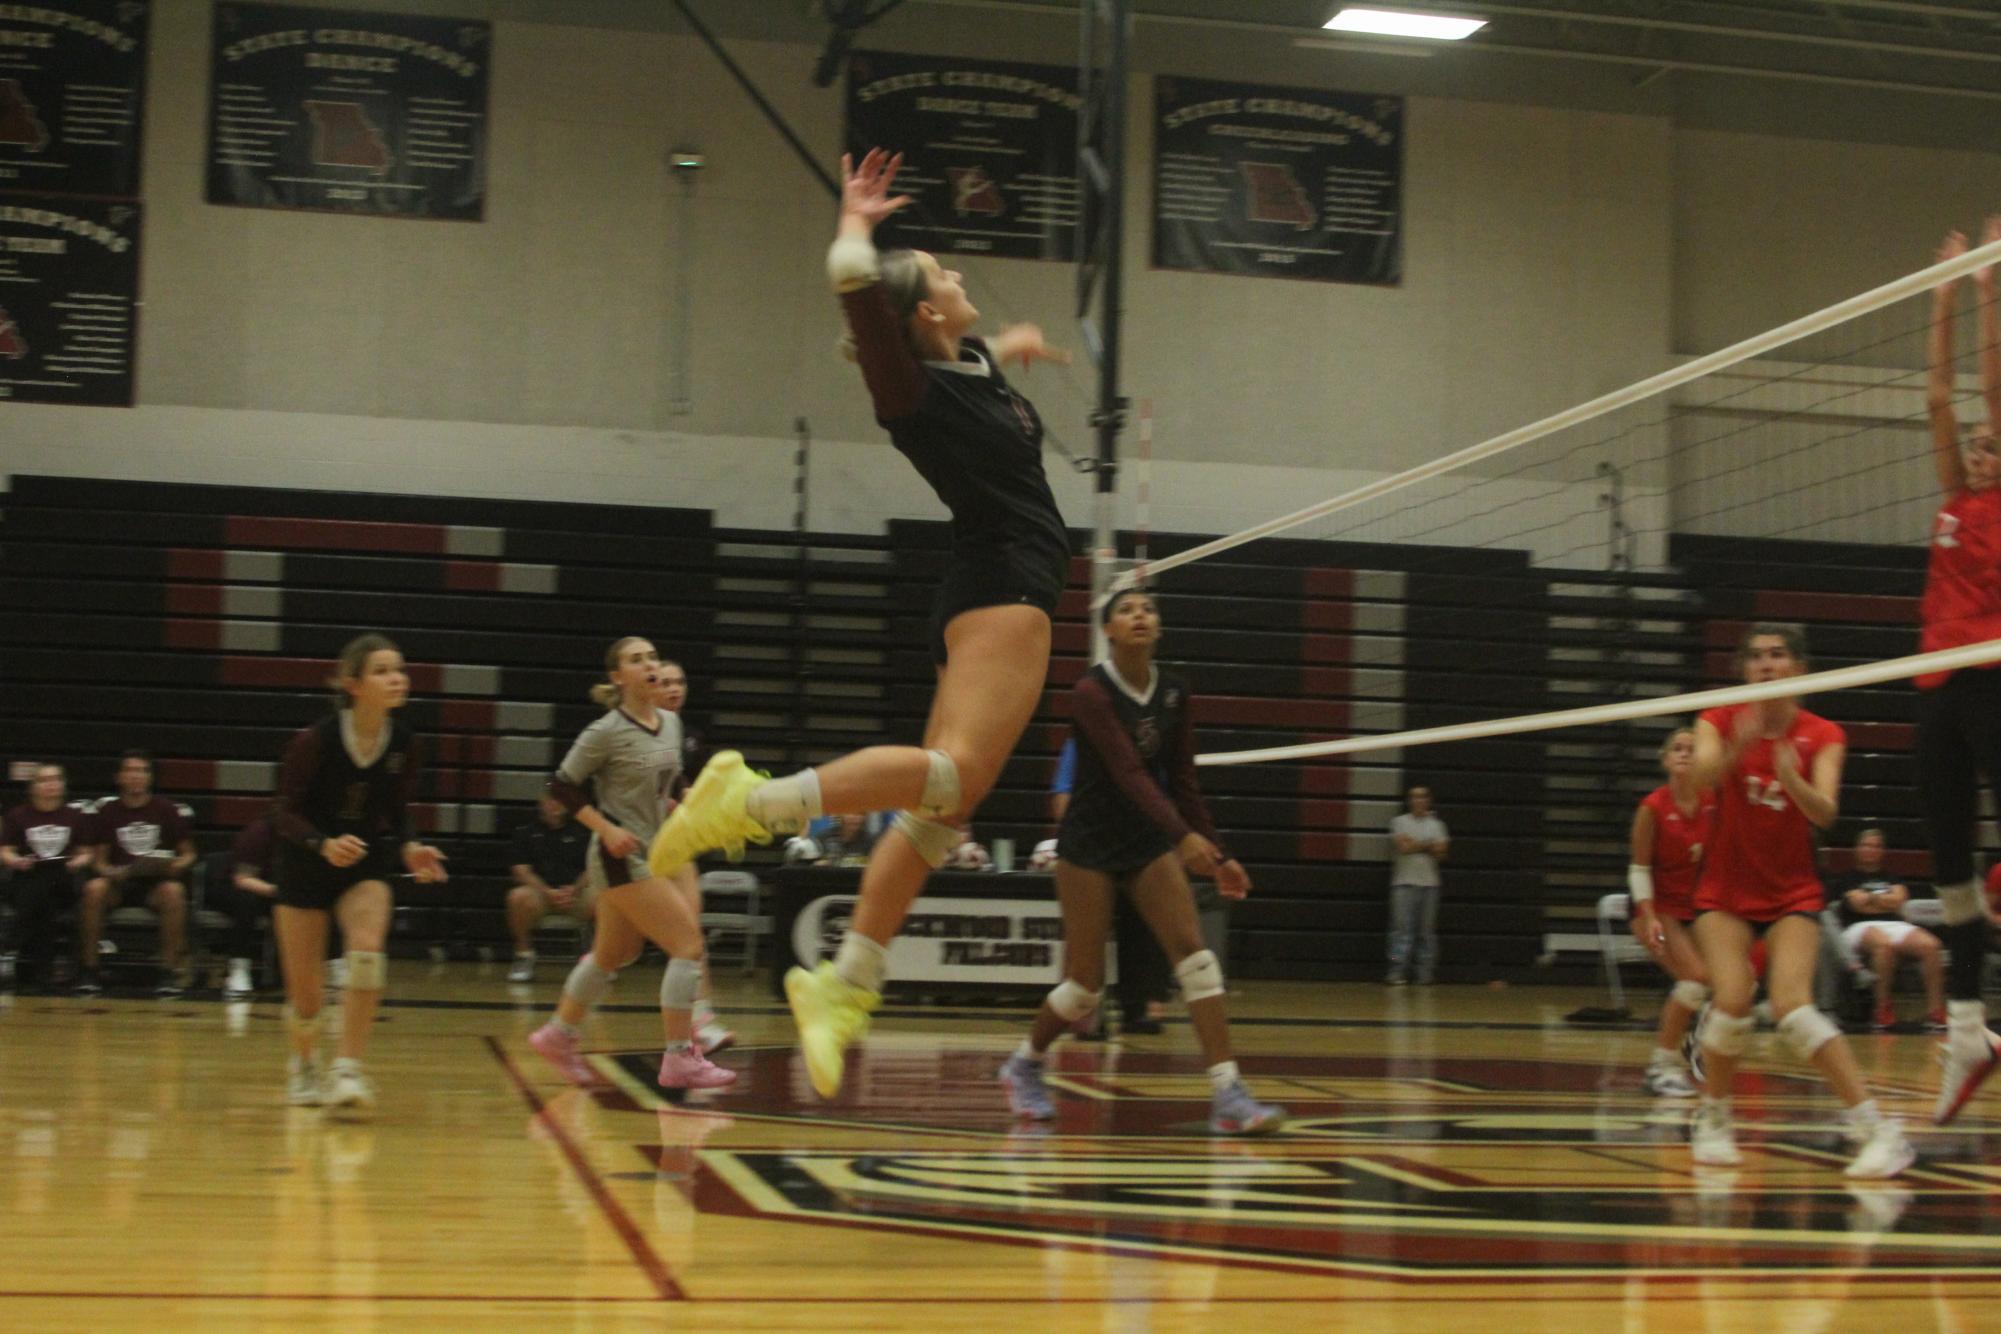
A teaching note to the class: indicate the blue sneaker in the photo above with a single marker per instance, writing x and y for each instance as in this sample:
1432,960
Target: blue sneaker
1027,1095
1233,1111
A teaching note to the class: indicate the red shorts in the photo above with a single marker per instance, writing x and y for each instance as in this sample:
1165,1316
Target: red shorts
1761,905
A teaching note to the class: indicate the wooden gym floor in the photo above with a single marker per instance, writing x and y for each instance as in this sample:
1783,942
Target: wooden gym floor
1458,1159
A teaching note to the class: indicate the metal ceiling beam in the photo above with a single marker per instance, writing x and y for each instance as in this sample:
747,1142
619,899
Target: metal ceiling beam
1488,9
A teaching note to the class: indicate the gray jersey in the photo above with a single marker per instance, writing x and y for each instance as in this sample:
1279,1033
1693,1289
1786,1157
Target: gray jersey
1415,868
636,771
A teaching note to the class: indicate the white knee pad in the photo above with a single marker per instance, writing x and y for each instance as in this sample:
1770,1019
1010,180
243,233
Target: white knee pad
1959,904
941,787
1727,1034
1200,975
934,842
1071,1000
679,984
1691,996
367,970
588,983
1806,1030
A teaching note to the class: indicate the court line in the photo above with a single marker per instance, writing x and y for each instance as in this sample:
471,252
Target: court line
621,1222
1750,1294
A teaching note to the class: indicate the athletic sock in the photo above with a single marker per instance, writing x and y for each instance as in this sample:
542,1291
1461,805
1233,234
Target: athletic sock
786,805
568,1030
861,963
1864,1115
1222,1075
679,1045
1027,1052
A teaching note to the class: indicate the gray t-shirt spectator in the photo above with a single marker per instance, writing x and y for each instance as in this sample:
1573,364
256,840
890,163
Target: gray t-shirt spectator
1415,868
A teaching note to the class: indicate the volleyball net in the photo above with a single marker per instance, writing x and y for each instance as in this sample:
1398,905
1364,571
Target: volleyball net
1590,568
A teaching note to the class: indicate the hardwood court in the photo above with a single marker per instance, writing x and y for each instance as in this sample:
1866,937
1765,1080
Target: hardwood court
1458,1158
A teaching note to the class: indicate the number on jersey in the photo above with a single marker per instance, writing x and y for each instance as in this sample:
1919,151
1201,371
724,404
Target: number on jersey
1770,794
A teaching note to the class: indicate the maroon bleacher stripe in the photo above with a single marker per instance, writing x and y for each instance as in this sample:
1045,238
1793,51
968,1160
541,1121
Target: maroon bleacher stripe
310,673
1252,711
478,784
469,715
235,812
1074,605
1067,671
1325,680
1323,780
1327,615
1070,638
186,775
1782,604
1881,736
1323,847
191,634
425,539
1323,814
472,576
1326,648
1324,582
189,563
194,599
1912,862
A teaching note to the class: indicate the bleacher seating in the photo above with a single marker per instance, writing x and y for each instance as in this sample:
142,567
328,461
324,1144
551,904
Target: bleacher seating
198,622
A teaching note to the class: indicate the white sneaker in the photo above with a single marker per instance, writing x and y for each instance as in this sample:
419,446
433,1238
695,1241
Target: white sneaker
239,985
350,1090
712,1037
1713,1135
305,1084
1665,1081
1969,1058
523,969
1885,1154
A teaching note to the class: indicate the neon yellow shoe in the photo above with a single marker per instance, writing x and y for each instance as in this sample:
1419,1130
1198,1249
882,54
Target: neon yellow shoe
710,817
832,1015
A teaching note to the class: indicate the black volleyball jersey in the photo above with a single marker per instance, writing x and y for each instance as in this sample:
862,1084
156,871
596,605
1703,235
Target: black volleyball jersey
326,790
968,433
1135,777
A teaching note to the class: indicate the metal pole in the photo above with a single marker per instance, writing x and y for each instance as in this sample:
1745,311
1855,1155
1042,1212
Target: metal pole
1101,163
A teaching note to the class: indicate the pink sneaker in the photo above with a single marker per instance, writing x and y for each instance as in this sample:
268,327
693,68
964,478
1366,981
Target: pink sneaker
689,1069
563,1051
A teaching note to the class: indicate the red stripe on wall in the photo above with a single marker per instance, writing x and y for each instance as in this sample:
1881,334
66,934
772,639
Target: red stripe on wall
1323,780
1067,671
1323,847
191,634
1881,736
1323,815
193,563
1322,582
428,677
478,785
1074,605
1897,861
1325,681
236,812
333,534
307,673
468,715
472,576
1070,638
447,748
194,599
185,775
1326,648
1327,615
1872,609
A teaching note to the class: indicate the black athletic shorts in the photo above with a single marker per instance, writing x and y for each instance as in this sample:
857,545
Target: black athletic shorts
308,880
996,577
1115,858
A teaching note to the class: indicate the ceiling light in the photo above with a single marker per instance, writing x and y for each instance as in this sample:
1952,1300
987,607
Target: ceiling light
1405,23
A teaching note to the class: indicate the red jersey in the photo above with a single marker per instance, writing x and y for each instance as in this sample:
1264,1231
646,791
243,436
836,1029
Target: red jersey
1962,602
1760,863
1679,841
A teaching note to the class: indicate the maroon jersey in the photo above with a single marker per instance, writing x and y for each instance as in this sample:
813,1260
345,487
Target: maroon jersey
1679,842
1135,795
47,836
1962,602
254,850
326,790
153,828
1760,862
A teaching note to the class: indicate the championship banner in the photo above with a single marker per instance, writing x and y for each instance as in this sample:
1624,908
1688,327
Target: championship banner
69,280
1289,183
72,94
990,151
348,111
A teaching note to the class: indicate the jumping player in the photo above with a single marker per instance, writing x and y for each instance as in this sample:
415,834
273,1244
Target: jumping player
1670,830
941,394
1959,713
633,755
1777,771
1135,819
343,813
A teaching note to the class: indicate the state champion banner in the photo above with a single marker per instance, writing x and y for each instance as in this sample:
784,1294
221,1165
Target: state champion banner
348,111
990,151
72,96
69,281
1288,183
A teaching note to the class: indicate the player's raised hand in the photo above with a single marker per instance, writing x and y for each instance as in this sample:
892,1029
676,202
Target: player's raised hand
865,196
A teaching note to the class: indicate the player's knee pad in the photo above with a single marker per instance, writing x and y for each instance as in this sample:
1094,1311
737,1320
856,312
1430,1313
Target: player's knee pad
679,984
588,982
1806,1030
367,970
1691,996
1200,976
1072,1001
941,787
1727,1034
1959,904
934,842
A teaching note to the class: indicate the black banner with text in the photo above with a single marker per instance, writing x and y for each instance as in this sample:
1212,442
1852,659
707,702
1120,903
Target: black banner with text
69,281
990,151
1287,183
348,111
72,96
